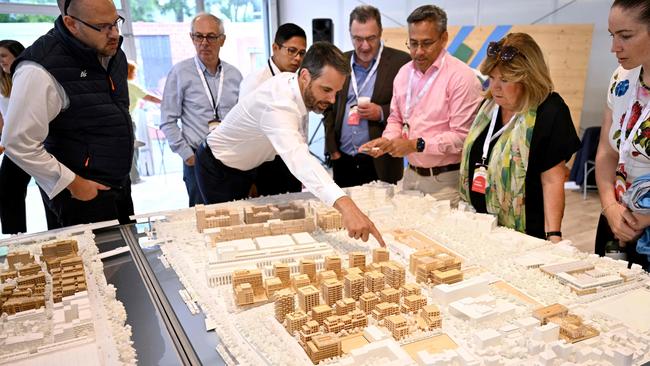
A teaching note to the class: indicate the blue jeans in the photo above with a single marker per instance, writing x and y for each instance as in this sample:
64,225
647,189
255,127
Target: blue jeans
189,177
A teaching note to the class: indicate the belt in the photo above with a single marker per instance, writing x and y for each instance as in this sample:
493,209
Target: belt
427,172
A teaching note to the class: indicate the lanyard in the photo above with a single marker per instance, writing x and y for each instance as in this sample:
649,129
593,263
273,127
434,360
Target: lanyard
490,137
270,67
208,91
353,78
425,89
626,141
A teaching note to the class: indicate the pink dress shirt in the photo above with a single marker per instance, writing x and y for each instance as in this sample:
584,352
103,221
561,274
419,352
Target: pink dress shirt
444,114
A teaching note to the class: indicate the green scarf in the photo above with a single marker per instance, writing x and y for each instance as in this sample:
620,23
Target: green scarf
505,195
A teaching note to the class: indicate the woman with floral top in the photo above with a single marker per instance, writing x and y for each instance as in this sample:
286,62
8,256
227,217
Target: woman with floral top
514,158
624,148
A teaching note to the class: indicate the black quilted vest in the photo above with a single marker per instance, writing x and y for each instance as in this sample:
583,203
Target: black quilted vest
94,135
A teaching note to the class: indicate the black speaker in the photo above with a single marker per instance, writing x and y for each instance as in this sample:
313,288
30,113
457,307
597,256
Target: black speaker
322,29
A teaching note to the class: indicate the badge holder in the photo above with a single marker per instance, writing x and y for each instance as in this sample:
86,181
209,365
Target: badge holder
620,185
212,124
479,182
353,116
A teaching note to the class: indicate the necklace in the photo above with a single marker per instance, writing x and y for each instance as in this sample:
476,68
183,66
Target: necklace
643,84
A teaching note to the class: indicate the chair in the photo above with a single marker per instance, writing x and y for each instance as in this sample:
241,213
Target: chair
155,133
585,161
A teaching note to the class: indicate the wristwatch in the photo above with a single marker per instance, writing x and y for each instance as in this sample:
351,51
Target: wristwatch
419,146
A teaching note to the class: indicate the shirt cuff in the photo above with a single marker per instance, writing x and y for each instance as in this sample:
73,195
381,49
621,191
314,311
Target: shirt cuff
67,176
330,193
186,153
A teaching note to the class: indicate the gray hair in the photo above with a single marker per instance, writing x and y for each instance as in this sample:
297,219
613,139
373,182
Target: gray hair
430,13
218,21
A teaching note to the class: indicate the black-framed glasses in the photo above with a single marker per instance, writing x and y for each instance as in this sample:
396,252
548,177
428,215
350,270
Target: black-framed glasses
211,38
426,45
360,40
505,54
292,51
105,28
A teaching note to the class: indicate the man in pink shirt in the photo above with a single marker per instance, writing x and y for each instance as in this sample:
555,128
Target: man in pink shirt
435,99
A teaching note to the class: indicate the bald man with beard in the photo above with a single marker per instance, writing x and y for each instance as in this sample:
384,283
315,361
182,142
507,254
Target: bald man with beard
68,123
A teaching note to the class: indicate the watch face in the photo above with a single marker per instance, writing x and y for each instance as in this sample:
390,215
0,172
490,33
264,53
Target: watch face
420,144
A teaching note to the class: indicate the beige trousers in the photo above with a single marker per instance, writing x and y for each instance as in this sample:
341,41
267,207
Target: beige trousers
443,186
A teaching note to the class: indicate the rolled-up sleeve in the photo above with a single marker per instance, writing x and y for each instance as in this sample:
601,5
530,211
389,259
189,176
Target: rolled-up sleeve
170,111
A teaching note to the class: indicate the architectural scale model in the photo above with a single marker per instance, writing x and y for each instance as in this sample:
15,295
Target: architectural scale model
450,288
57,308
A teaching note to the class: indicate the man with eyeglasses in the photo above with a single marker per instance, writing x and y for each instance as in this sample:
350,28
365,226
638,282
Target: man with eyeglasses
289,48
435,99
361,109
200,91
68,123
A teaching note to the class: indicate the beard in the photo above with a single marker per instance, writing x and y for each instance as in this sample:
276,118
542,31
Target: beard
312,104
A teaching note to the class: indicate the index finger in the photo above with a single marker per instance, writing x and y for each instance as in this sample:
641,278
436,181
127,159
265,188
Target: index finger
374,232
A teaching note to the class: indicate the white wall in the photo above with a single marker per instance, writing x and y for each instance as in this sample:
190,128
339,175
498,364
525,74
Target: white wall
480,12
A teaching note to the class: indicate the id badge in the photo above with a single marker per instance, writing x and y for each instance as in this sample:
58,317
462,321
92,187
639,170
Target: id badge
353,116
620,185
479,182
213,124
405,130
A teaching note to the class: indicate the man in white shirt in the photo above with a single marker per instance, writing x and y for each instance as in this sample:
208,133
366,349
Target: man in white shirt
271,121
289,47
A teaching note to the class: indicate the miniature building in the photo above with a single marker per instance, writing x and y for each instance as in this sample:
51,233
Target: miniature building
261,214
62,248
272,285
572,329
353,285
413,303
326,275
357,259
308,267
210,218
282,271
308,297
320,312
448,277
333,263
410,289
332,291
352,270
368,301
389,295
385,309
396,324
394,273
374,281
334,324
422,263
244,294
308,330
300,281
430,317
328,219
272,227
380,255
284,304
21,257
323,346
358,319
345,305
545,313
295,321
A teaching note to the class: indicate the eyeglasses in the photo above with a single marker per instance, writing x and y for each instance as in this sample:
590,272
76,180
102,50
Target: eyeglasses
293,52
505,54
211,38
426,45
105,28
360,40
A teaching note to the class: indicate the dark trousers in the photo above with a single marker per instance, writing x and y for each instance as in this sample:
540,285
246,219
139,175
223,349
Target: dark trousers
273,177
605,238
13,191
189,177
354,170
218,182
115,203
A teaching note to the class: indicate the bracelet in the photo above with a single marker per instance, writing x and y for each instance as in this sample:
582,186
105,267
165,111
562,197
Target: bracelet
602,212
553,233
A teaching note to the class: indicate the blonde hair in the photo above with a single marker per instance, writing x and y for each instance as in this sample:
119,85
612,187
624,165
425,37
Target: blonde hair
527,67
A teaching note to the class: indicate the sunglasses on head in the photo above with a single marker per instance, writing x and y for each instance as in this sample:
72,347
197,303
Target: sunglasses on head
505,54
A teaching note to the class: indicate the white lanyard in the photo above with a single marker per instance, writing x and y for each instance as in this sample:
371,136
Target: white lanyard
626,141
208,91
489,138
425,89
353,78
